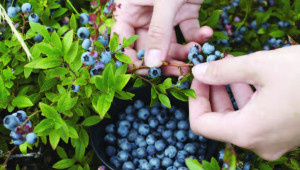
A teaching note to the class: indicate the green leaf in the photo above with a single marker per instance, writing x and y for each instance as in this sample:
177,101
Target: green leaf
88,91
43,125
80,82
79,151
189,93
114,43
71,55
61,152
220,35
164,100
124,58
122,79
48,84
67,41
46,49
22,102
73,22
178,94
277,33
84,137
72,132
103,105
108,75
130,41
23,148
167,83
110,22
66,103
264,166
121,70
214,18
59,12
124,95
58,72
46,63
90,121
55,40
138,82
37,27
230,157
49,111
100,85
54,137
193,164
63,164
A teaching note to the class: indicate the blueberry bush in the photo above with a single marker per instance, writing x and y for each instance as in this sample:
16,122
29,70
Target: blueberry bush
61,69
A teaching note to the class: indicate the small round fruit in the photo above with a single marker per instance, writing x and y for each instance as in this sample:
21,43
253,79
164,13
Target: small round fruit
38,38
26,7
33,18
154,72
75,88
84,18
86,44
83,33
141,54
105,57
10,122
87,59
12,11
31,138
208,48
21,115
103,40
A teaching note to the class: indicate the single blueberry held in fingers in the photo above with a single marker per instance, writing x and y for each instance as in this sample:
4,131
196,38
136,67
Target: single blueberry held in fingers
154,72
194,48
141,54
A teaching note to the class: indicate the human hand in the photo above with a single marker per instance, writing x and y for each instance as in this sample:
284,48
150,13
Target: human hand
154,21
268,121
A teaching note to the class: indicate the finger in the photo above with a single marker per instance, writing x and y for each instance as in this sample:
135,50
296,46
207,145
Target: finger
203,122
220,99
180,52
160,31
242,93
244,69
192,32
175,71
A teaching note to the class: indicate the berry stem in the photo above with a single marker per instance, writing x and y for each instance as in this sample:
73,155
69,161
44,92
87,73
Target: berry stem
152,84
9,155
29,117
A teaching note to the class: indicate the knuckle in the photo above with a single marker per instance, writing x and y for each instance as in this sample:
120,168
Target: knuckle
213,71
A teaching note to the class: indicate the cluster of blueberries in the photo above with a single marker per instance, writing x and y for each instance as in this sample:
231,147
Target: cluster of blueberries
208,50
19,133
152,138
273,43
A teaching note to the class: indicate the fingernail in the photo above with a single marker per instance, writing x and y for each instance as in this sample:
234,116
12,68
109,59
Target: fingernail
200,69
153,58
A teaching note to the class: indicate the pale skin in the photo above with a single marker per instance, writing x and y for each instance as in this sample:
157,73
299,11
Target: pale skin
268,120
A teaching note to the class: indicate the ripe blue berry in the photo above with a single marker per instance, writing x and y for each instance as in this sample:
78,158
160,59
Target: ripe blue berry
182,168
125,123
110,150
177,164
10,122
166,162
18,142
154,110
49,29
105,57
153,122
38,38
221,154
87,59
21,115
75,88
181,155
141,54
86,44
140,141
83,33
167,133
33,18
171,168
183,125
144,164
192,55
84,18
110,138
118,63
103,40
128,165
123,131
123,156
179,145
171,124
171,140
246,166
141,152
155,163
132,135
170,151
138,104
12,11
126,146
181,135
143,114
129,109
192,135
154,72
196,61
195,49
211,58
130,118
14,135
110,128
208,48
184,85
150,139
26,7
202,139
144,129
114,160
190,148
151,150
160,145
31,138
180,114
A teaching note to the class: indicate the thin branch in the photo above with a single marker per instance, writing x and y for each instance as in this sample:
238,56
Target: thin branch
137,68
152,84
29,117
9,155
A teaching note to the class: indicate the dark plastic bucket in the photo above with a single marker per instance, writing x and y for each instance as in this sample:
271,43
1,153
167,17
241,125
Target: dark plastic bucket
98,131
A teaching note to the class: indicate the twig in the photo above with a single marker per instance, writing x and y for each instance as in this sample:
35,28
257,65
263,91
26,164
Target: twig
177,65
9,155
152,84
4,154
137,68
29,117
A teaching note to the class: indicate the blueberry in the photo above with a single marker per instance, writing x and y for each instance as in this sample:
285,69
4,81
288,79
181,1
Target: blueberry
143,114
126,146
118,63
144,129
12,11
114,160
31,138
18,142
122,116
208,48
160,145
181,155
33,18
171,140
110,150
249,157
110,138
14,135
132,135
129,109
221,154
195,49
125,123
266,47
135,161
180,114
83,33
225,166
162,118
75,88
184,85
202,139
181,135
183,125
128,166
86,44
138,104
21,115
136,124
10,122
170,151
154,110
192,136
141,152
26,7
110,128
140,141
160,128
203,145
166,162
153,122
177,164
246,166
105,57
167,133
144,164
141,54
87,59
155,163
97,69
84,18
123,156
172,168
192,55
190,148
130,118
38,38
218,54
123,131
151,150
154,72
279,43
179,145
103,40
182,168
49,29
150,139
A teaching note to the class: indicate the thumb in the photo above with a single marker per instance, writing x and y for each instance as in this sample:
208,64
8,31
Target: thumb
244,69
160,31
